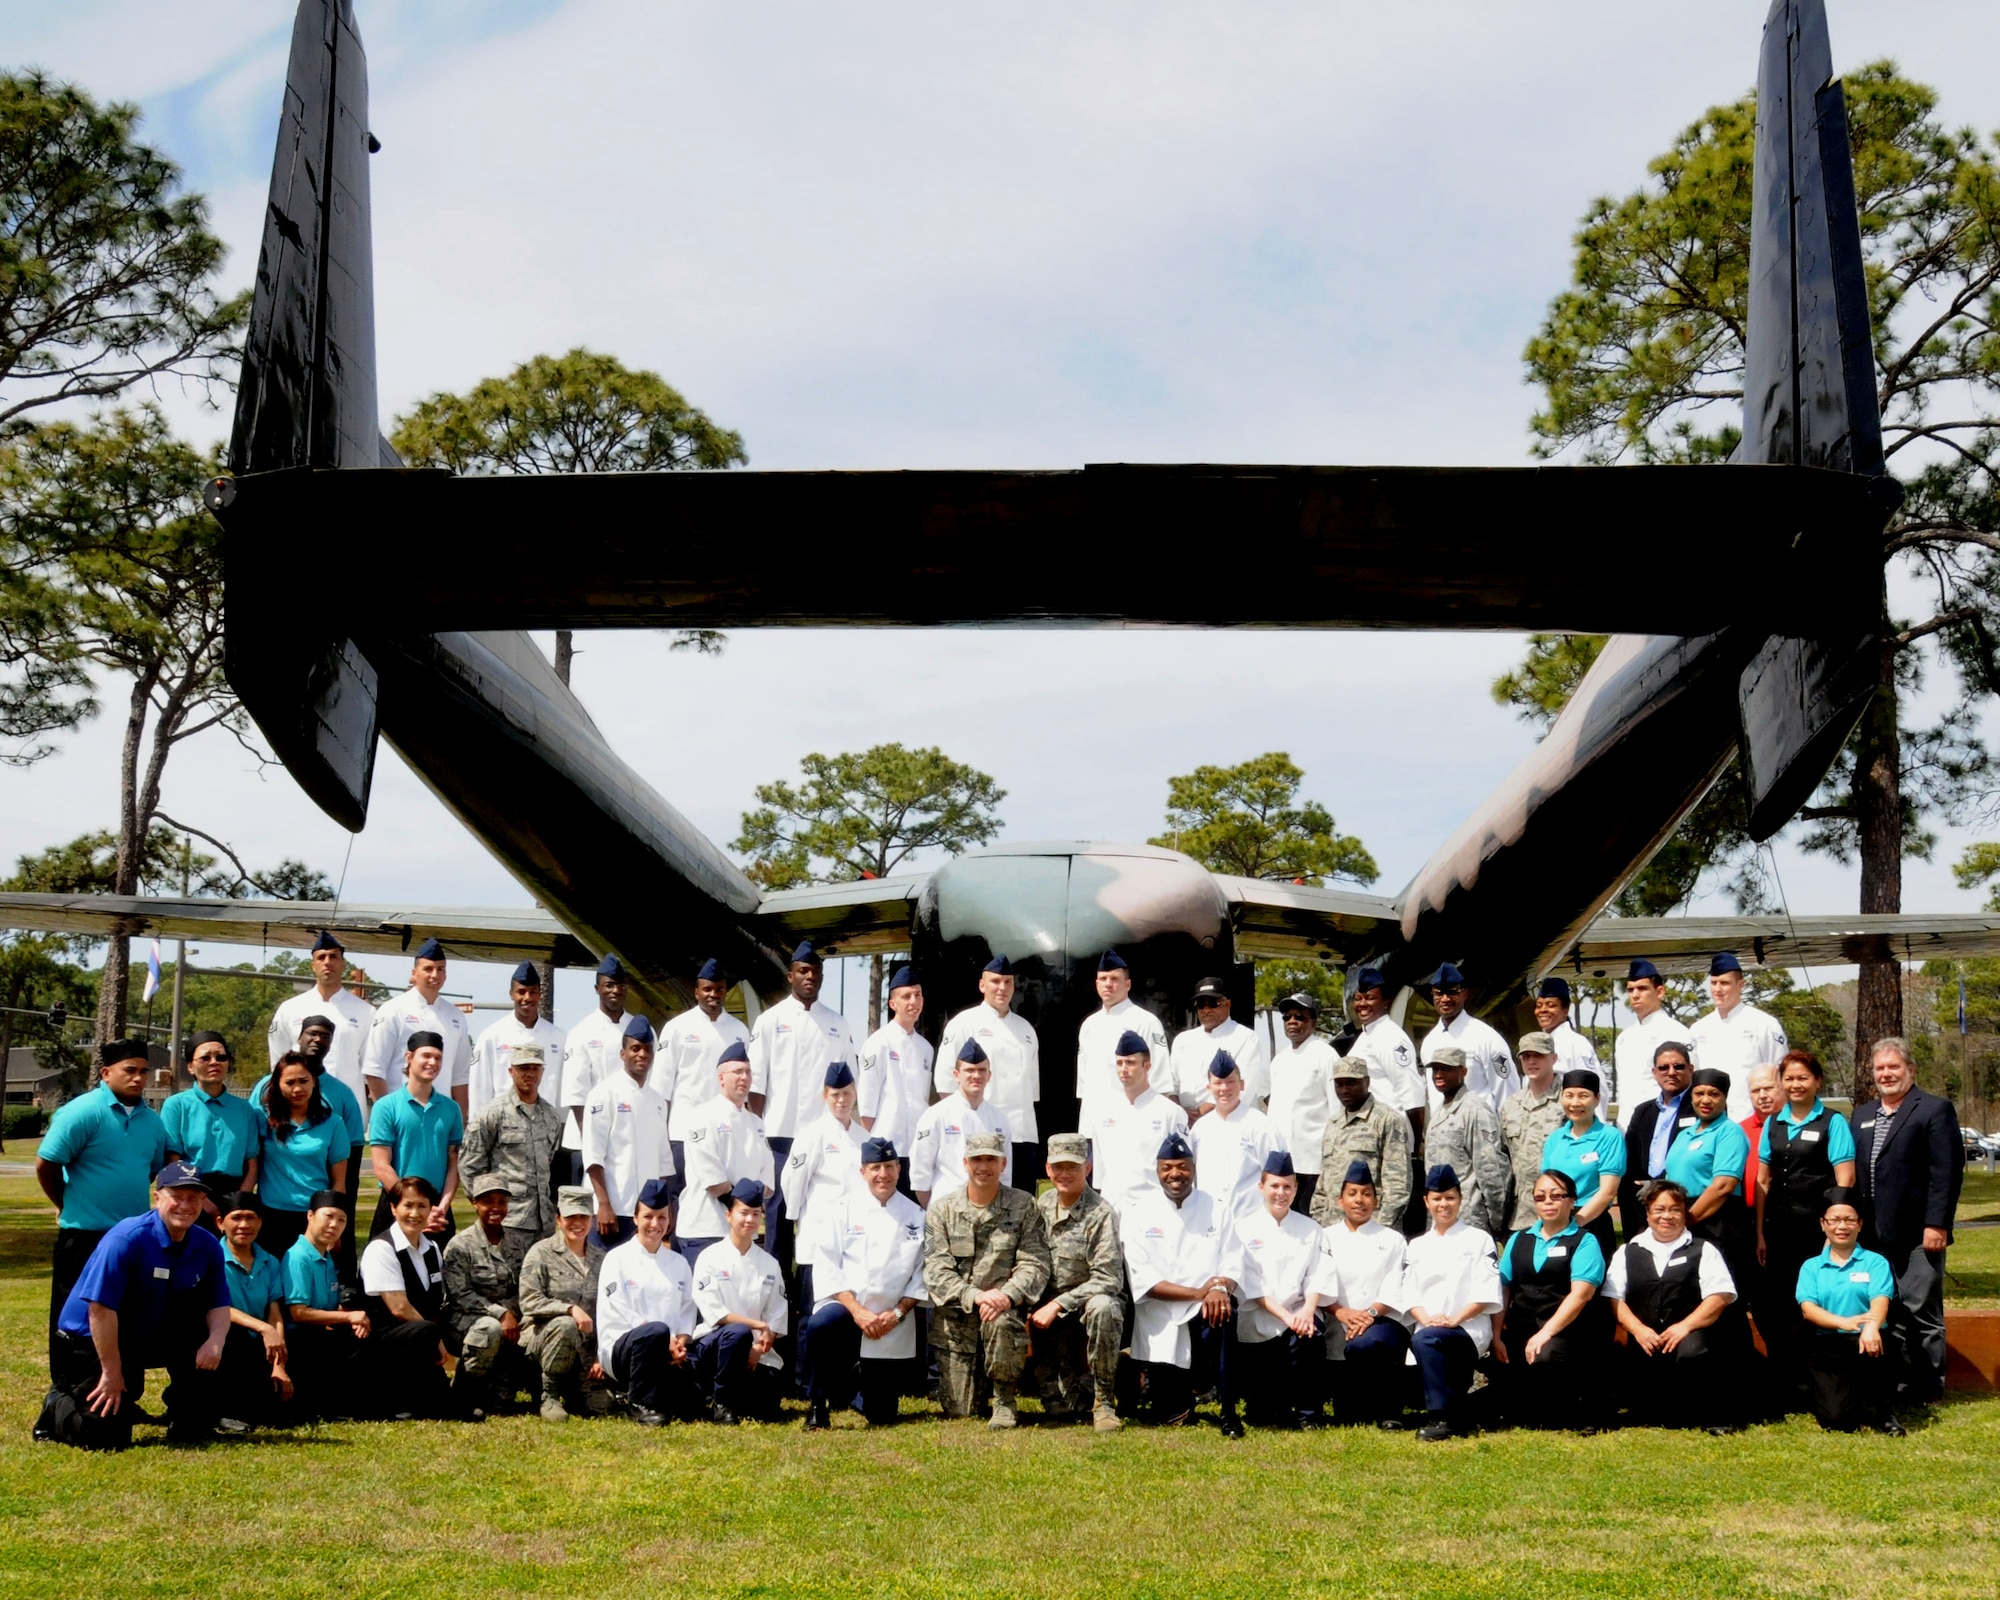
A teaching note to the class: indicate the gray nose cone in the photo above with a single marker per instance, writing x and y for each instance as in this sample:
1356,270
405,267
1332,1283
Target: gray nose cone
1056,900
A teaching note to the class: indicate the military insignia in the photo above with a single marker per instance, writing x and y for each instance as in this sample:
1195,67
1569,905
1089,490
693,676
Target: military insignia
695,1135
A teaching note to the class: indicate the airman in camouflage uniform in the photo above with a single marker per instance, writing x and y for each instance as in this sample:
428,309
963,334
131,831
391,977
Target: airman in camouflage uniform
1527,1120
986,1259
481,1296
516,1136
558,1307
1464,1134
1080,1328
1364,1129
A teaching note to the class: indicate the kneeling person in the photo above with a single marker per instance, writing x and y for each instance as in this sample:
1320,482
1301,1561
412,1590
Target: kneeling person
1451,1288
255,1366
1671,1288
558,1305
646,1315
1080,1327
482,1286
402,1276
326,1342
1368,1336
1844,1295
740,1295
1287,1277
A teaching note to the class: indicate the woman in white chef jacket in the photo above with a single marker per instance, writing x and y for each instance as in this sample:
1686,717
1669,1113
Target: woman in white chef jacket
1287,1277
1451,1288
646,1315
869,1276
739,1293
824,1166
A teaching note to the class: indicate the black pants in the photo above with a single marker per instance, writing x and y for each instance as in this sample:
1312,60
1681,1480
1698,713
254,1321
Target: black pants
1554,1390
1284,1377
72,1254
837,1370
399,1372
245,1390
1211,1361
1916,1324
1693,1385
642,1365
778,1237
327,1371
192,1396
1849,1390
1369,1381
1789,1243
725,1376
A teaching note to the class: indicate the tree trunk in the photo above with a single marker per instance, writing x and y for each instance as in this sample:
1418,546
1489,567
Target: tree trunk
547,969
1878,817
874,993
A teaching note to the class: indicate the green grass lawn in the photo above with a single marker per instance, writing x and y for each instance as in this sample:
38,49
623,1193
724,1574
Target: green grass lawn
516,1507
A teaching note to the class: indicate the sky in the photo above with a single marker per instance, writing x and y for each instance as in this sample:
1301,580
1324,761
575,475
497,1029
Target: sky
922,236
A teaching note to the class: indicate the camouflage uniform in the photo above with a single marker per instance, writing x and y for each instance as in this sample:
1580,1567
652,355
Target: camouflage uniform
553,1280
481,1284
1088,1282
1526,1121
1464,1134
1378,1135
969,1249
517,1142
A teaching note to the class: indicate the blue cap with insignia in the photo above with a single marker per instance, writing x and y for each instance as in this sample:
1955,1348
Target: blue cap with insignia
1447,977
430,950
1000,967
746,1192
1223,1066
1552,989
1441,1179
874,1150
326,941
527,975
902,978
1131,1044
1111,961
1642,968
656,1194
1725,961
732,1051
1278,1164
806,953
1357,1172
971,1051
1367,978
1175,1148
710,971
179,1175
637,1027
839,1075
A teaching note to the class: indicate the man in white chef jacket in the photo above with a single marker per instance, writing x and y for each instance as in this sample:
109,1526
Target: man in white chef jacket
1125,1137
868,1278
646,1315
1015,1053
725,1144
1653,1025
625,1135
1185,1266
1489,1064
937,1148
739,1294
893,1087
1735,1036
589,1055
1215,1030
418,1010
493,1050
1232,1142
689,1047
1097,1040
351,1016
791,1047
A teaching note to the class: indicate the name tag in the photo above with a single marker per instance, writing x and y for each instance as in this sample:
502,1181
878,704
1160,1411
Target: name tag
1677,1261
163,1272
1589,1158
1695,1144
1809,1138
1557,1250
1869,1123
1687,1122
1857,1277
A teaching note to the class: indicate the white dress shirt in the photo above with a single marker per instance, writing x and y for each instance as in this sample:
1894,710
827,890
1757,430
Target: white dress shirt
625,1133
1734,1044
387,1054
937,1148
1302,1099
790,1050
1195,1048
381,1266
745,1283
1711,1277
893,1083
352,1018
684,1061
725,1145
493,1052
1229,1157
1489,1064
1015,1052
1392,1065
875,1252
1632,1061
1164,1243
1444,1271
825,1165
636,1286
1125,1145
591,1053
1282,1261
1097,1056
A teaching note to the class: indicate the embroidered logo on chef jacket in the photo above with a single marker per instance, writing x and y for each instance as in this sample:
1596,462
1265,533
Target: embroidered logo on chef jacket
895,1055
781,1027
911,1230
625,1106
951,1127
1156,1232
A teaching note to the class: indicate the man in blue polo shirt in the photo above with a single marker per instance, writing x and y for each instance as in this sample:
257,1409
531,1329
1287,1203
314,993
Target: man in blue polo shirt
211,1129
152,1294
416,1133
96,1164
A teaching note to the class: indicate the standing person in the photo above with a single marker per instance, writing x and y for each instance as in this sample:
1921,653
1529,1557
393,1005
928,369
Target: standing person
211,1129
1633,1054
1013,1050
1552,1336
1651,1130
150,1294
1287,1277
1097,1042
416,1132
893,1087
323,1345
256,1378
1368,1337
418,1010
1573,1050
482,1289
1910,1159
1185,1263
589,1055
1766,1096
494,1049
1464,1134
1735,1036
402,1280
304,1150
1231,1146
1364,1130
739,1295
690,1046
1451,1289
1391,1058
1527,1120
1844,1294
516,1138
825,1168
1489,1068
1803,1151
790,1049
646,1315
316,1036
1216,1031
1590,1151
558,1309
1709,1160
1670,1289
1079,1328
349,1019
96,1165
1125,1137
1302,1086
725,1144
937,1148
625,1135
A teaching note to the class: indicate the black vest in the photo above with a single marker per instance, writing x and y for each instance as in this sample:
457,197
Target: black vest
1661,1297
427,1298
1801,1169
1534,1292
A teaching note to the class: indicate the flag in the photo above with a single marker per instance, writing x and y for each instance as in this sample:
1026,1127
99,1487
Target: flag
1962,1029
152,971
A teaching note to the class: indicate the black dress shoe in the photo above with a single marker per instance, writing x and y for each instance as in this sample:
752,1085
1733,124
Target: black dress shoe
1392,1425
722,1414
1432,1432
1232,1427
231,1427
1722,1430
648,1418
1892,1428
817,1418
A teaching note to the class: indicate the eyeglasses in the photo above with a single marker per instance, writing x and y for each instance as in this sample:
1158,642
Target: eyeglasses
1207,1003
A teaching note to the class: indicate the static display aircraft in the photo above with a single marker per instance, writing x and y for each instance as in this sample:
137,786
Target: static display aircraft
1775,665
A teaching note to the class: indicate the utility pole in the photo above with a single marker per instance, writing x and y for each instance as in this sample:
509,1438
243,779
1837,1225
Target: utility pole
180,970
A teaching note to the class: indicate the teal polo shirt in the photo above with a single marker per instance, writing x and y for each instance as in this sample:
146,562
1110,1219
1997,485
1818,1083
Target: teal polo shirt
218,1133
253,1288
297,1161
339,1099
1838,1135
1707,1151
1586,1255
1845,1291
1598,1154
108,1153
418,1134
311,1280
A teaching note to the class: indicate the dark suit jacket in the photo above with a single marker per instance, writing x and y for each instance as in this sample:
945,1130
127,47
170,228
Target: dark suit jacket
1638,1151
1916,1178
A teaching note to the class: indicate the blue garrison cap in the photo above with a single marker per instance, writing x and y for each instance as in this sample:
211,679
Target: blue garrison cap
1357,1172
178,1175
733,1051
430,950
1223,1066
326,941
746,1192
1447,977
1111,961
1175,1148
656,1194
526,973
1000,966
1642,968
1725,961
806,952
1440,1178
902,978
637,1027
1278,1164
1130,1044
711,969
1368,978
874,1150
839,1075
971,1051
612,967
1553,989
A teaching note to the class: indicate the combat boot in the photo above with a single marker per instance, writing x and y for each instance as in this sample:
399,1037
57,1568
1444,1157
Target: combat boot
553,1409
1003,1407
1106,1419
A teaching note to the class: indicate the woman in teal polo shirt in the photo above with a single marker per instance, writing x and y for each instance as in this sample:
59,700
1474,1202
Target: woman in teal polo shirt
305,1150
1552,1336
210,1128
1709,1160
253,1354
1844,1295
1591,1152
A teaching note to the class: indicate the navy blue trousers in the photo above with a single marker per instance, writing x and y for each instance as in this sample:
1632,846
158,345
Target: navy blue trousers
642,1365
722,1368
1445,1357
831,1342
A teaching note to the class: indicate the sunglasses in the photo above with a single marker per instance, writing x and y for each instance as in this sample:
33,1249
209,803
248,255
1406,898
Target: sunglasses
1207,1003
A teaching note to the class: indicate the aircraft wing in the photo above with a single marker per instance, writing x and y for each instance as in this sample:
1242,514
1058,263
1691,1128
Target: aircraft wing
869,916
1684,944
1286,921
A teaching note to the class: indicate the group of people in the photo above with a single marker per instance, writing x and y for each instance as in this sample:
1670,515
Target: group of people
704,1219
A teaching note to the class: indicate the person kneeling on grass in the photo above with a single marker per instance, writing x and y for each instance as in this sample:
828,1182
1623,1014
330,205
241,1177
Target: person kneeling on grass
646,1314
326,1340
1367,1338
1451,1288
1844,1296
255,1373
869,1277
1671,1289
740,1295
559,1281
1553,1334
402,1277
1287,1278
